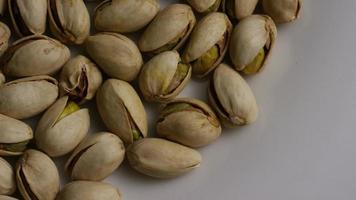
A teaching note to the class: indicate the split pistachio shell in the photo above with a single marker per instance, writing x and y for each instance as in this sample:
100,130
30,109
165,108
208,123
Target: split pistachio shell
7,178
80,78
205,51
69,20
116,55
204,6
124,16
122,111
239,8
37,176
168,30
164,77
2,78
5,34
3,197
27,97
282,11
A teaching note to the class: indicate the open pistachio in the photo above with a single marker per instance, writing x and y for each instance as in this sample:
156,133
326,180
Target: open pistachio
122,111
164,77
205,6
168,30
69,20
5,34
2,78
27,97
239,8
7,178
205,51
4,197
124,16
37,176
115,54
252,42
282,11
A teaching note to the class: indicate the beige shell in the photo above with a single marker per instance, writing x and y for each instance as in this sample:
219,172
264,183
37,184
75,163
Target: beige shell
5,34
121,109
27,97
240,8
174,22
204,5
96,157
2,78
80,78
69,20
37,176
282,11
161,158
115,54
34,55
124,16
3,197
7,177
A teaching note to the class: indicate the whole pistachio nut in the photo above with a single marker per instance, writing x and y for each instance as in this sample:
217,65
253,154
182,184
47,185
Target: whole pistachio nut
161,158
88,190
252,42
205,6
2,78
69,20
5,34
122,111
96,157
80,78
27,97
7,178
164,77
282,11
124,16
190,122
4,197
168,30
208,43
28,17
239,9
62,127
3,6
34,55
37,176
115,54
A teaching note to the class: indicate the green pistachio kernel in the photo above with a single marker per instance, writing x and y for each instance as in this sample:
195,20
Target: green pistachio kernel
179,76
206,61
70,108
136,135
214,7
256,64
14,147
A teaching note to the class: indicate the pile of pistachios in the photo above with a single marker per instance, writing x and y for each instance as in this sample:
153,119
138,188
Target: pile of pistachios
220,40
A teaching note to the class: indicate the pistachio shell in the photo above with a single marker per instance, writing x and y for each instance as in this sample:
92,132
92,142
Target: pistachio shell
282,11
116,55
37,176
3,197
27,97
3,6
124,16
239,8
7,177
5,34
2,78
205,5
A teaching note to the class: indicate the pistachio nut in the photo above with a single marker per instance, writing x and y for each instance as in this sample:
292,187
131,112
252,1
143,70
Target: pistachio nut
239,9
4,197
37,176
96,157
115,54
164,77
3,6
69,21
80,78
27,97
205,6
124,16
168,30
122,111
5,34
252,42
28,17
34,55
62,127
2,78
205,51
88,190
282,11
7,177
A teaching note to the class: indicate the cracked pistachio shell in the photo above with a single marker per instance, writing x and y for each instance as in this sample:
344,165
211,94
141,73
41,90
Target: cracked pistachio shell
124,16
34,55
115,54
190,122
282,11
232,98
28,17
5,34
62,128
219,28
69,20
7,177
168,30
37,176
249,37
164,77
239,8
96,157
27,97
161,158
121,110
2,78
80,78
88,190
203,6
4,197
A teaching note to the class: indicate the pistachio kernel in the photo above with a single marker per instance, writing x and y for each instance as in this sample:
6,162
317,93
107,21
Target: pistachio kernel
14,147
179,76
136,135
173,43
256,64
70,108
203,64
214,7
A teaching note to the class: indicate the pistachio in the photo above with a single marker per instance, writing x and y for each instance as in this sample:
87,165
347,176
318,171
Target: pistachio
124,16
5,34
2,78
122,111
116,55
168,30
205,51
3,6
164,77
205,6
282,11
7,177
239,8
3,197
27,97
37,176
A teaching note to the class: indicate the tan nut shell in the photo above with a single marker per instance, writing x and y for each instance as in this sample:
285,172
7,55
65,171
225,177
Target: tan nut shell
283,11
7,177
242,8
124,16
3,197
2,78
5,34
27,97
202,5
